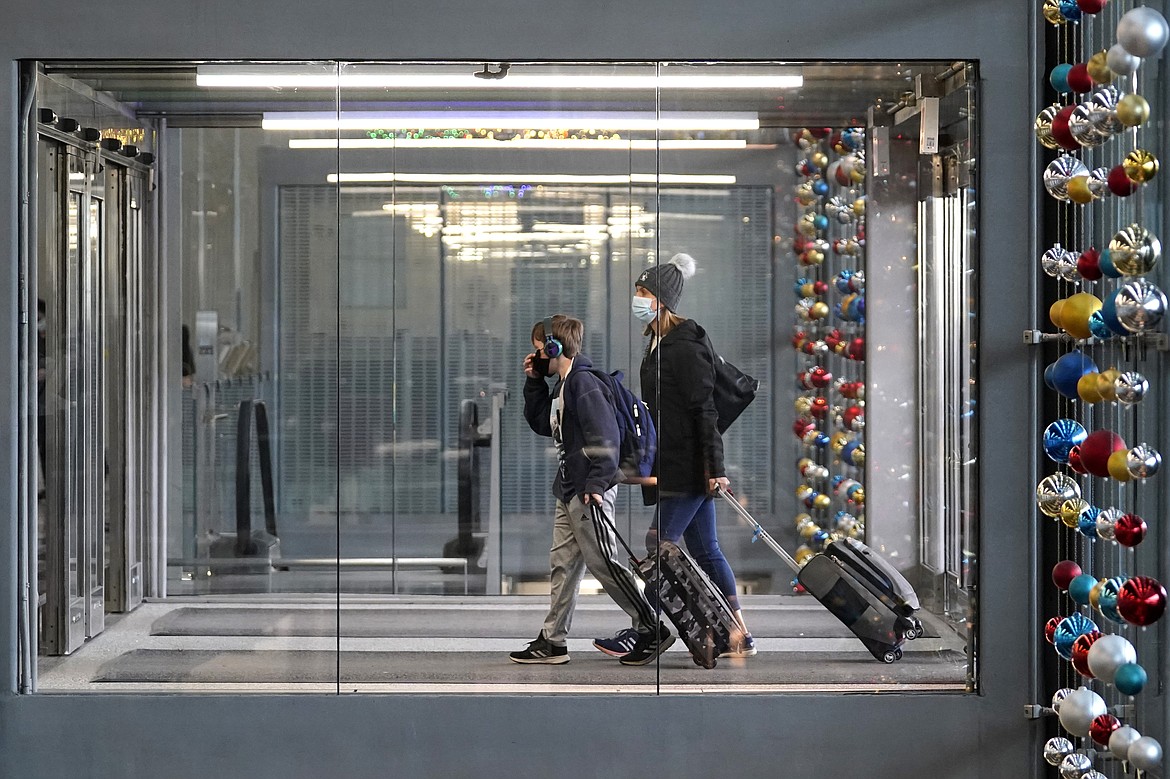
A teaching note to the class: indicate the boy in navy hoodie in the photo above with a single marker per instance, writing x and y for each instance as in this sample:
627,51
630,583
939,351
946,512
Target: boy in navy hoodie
578,415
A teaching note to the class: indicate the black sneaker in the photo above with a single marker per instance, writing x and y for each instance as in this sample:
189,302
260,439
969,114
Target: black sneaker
648,647
619,645
541,651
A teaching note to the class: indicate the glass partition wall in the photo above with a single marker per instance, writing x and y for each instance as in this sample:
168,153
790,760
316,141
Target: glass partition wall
363,254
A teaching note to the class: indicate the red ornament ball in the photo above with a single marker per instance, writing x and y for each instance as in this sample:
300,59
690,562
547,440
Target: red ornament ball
802,426
1063,573
1050,628
1080,652
820,378
1074,460
1129,530
1097,447
1119,183
1141,601
1078,78
1063,136
850,415
1102,727
857,349
820,407
820,287
1089,264
1091,6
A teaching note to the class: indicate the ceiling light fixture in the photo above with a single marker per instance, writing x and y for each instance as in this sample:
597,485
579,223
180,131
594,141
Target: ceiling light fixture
649,121
327,75
529,178
529,144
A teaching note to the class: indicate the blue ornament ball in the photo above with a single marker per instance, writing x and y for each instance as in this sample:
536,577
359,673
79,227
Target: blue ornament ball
1068,630
1087,523
1080,586
820,186
1049,380
1098,327
1108,313
821,222
1058,78
1069,369
1130,679
1070,10
1061,436
1105,263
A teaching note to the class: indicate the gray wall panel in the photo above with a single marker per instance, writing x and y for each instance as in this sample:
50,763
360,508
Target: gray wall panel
848,736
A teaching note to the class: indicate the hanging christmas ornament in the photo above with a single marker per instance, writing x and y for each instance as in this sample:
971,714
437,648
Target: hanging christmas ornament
1142,31
1143,461
1140,165
1132,110
1141,601
1140,306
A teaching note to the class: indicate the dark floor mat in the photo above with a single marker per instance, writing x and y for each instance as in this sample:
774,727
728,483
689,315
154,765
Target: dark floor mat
588,668
797,622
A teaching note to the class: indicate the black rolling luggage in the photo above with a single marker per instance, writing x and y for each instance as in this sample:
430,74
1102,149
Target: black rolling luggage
680,589
861,589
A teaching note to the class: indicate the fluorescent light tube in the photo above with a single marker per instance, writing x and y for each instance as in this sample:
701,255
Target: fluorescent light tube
380,76
529,178
512,120
579,144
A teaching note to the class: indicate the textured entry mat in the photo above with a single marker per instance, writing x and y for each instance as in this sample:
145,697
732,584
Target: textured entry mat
588,668
799,621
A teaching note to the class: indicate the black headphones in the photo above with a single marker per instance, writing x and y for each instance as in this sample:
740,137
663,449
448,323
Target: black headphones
552,346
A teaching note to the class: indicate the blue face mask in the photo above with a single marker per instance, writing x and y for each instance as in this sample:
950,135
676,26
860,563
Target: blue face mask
643,309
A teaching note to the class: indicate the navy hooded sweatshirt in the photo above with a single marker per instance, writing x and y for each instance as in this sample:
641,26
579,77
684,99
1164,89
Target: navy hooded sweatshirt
589,429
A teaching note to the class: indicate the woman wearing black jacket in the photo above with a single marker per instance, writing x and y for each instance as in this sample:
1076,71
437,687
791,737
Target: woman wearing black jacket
678,384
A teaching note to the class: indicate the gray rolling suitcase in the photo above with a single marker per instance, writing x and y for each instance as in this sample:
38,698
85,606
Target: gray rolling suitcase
861,589
678,587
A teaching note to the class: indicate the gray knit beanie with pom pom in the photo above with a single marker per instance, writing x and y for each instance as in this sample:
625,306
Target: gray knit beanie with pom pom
665,282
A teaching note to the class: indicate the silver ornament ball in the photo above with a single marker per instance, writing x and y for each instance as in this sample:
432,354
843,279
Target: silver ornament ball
1056,749
1143,32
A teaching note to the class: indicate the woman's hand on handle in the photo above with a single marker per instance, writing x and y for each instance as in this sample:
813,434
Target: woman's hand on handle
718,483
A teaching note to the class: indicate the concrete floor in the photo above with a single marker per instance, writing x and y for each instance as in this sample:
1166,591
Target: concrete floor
443,644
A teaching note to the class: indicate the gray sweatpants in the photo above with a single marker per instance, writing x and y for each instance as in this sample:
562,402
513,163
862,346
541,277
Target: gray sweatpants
582,542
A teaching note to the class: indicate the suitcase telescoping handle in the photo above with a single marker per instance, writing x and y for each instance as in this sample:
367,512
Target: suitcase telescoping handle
758,531
598,513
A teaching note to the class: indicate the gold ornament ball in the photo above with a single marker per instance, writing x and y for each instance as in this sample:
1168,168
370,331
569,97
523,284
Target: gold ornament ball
859,206
803,554
858,497
1052,13
1078,190
1098,68
803,462
1117,466
1074,315
1056,312
819,310
1087,388
820,159
1140,166
803,491
1106,384
1095,594
1132,110
807,531
824,501
838,441
804,408
1070,511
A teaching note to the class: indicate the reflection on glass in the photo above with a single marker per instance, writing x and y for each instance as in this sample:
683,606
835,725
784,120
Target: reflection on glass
369,268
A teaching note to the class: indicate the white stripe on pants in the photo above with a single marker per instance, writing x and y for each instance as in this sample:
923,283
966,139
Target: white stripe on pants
580,542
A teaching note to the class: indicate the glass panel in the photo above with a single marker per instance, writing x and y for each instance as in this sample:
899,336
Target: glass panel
459,232
260,402
377,271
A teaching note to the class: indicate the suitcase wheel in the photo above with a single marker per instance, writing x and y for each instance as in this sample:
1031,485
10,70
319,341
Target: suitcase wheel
892,655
